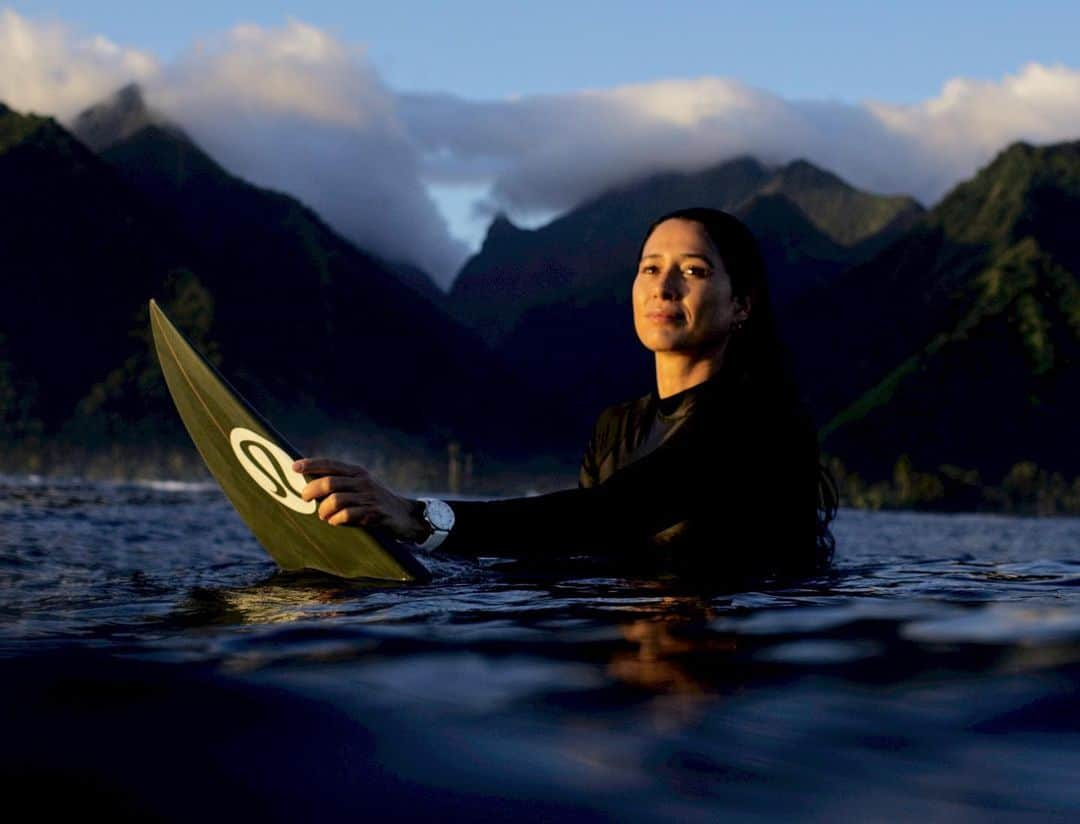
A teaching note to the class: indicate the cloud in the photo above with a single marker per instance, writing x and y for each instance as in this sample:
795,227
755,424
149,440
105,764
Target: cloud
289,108
547,153
47,67
295,109
958,131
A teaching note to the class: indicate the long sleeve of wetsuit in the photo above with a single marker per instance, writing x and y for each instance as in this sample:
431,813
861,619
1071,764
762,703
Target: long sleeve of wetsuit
699,474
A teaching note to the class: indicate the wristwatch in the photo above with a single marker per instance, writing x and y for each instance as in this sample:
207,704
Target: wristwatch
440,519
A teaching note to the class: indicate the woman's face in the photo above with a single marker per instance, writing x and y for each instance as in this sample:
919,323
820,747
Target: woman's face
682,293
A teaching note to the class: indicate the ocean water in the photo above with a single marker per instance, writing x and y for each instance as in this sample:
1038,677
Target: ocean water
153,664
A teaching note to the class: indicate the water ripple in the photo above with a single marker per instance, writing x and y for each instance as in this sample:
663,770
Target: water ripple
883,685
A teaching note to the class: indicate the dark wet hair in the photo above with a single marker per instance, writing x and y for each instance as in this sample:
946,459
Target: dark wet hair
755,358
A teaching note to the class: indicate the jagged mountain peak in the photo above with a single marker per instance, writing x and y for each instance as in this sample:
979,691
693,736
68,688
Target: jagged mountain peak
502,225
802,171
116,118
847,215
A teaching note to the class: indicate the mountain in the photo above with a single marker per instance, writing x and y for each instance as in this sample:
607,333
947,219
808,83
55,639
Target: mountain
420,282
77,242
310,328
845,214
115,119
959,345
125,113
555,300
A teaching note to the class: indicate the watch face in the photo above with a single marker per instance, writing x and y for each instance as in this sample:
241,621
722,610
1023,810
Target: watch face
440,515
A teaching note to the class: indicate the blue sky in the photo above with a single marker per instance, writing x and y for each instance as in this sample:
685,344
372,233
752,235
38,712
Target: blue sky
899,52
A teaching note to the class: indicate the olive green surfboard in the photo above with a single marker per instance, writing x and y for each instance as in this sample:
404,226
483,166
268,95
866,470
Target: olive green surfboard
253,465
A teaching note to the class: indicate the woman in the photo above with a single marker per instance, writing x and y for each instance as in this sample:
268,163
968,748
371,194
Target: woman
718,468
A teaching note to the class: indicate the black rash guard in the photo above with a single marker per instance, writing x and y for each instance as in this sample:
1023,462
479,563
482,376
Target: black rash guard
720,475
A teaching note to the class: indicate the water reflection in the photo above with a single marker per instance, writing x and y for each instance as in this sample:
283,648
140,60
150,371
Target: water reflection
279,598
668,646
653,662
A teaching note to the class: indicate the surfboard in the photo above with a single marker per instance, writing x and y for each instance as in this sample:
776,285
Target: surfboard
252,463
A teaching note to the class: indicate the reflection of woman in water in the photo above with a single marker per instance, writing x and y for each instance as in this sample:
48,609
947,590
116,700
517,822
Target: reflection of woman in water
717,468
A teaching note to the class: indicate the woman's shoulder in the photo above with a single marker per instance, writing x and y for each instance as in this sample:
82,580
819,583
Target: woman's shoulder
616,432
618,418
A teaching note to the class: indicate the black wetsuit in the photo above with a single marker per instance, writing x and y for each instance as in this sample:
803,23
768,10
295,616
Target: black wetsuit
720,475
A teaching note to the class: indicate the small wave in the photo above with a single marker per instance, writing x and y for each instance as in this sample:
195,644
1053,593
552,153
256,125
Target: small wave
79,482
176,486
1000,624
39,480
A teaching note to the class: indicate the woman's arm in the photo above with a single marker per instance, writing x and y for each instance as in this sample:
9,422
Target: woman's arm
680,480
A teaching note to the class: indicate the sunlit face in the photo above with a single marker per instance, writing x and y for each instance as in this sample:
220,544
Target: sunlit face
682,293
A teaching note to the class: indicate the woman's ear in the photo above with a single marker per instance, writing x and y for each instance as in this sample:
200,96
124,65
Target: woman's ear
743,306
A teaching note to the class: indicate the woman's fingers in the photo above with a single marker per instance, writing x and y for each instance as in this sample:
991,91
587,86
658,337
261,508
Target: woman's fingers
327,466
353,515
337,476
341,500
321,487
347,494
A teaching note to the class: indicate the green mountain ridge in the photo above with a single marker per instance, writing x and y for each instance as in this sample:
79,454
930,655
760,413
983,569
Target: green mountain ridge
846,214
70,228
15,128
995,379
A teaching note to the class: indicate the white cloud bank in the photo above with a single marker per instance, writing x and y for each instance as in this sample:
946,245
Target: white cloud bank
296,109
548,153
47,68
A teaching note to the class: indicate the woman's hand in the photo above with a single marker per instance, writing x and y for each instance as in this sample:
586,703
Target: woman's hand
351,497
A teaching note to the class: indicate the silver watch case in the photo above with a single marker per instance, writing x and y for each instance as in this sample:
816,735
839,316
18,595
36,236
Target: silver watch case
438,514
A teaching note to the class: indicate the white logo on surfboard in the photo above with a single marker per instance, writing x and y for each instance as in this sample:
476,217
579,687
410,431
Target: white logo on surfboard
271,468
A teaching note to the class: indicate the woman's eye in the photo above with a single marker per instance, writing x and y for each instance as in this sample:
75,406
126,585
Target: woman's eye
649,270
696,271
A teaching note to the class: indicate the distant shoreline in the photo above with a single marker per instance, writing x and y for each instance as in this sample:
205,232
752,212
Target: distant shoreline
1026,490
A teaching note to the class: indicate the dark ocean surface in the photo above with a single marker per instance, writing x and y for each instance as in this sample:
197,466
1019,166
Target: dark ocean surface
153,664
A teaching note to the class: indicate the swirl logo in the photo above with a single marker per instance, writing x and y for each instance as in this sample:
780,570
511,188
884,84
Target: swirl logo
271,468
